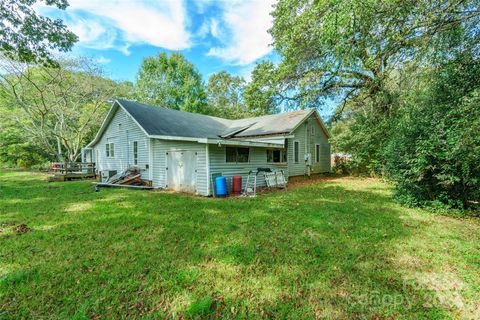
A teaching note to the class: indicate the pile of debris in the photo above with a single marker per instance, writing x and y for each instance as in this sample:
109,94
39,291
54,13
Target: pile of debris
129,178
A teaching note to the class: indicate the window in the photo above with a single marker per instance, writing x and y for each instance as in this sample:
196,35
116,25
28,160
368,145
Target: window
276,156
135,153
231,154
313,130
110,150
317,153
296,150
234,154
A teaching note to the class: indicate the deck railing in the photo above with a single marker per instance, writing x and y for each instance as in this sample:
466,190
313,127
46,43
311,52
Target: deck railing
73,167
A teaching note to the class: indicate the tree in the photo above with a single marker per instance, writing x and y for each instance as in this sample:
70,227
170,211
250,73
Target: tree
28,37
344,48
171,82
58,108
15,148
433,153
262,95
225,96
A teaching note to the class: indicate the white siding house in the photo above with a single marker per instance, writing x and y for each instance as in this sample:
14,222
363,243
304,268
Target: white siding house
183,151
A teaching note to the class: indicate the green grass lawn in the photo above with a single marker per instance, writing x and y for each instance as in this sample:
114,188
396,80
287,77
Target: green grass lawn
335,249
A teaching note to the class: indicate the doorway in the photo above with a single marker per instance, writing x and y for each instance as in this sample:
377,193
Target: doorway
181,170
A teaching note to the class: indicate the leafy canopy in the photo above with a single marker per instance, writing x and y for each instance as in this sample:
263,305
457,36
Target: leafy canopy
171,82
342,48
225,95
58,109
28,37
261,94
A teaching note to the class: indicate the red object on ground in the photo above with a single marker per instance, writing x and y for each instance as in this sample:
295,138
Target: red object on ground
236,184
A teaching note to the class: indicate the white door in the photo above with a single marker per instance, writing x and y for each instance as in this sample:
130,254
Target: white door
181,170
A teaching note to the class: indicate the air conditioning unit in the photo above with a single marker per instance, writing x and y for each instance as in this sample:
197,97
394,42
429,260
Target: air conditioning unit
107,174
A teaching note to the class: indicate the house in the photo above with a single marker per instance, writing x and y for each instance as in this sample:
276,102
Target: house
184,151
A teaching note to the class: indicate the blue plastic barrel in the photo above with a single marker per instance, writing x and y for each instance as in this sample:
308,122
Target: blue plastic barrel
221,186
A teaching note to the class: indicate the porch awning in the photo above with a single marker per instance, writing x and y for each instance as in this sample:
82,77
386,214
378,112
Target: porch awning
278,143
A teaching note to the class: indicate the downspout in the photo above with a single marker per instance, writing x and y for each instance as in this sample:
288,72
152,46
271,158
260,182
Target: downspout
150,160
128,148
208,168
307,149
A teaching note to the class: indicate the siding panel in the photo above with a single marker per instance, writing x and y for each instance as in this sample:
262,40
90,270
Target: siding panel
122,131
307,141
258,158
160,149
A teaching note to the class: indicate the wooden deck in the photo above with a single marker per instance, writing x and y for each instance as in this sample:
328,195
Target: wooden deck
72,170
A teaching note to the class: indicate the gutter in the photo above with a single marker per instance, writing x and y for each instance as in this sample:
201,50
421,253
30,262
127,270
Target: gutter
243,143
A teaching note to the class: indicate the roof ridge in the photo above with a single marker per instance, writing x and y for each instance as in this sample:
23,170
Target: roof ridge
206,115
172,110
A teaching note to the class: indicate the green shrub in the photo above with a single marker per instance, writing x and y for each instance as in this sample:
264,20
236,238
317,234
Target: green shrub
428,142
44,166
434,153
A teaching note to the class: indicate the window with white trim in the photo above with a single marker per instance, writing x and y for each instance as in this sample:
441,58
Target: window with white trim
110,150
276,156
296,151
135,153
317,153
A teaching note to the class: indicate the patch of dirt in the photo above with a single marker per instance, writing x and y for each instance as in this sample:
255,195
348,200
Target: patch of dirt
22,228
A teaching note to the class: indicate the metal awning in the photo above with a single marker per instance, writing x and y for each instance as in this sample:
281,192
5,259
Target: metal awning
266,143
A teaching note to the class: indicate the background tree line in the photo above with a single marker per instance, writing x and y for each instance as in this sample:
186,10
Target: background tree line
408,75
51,106
51,111
405,73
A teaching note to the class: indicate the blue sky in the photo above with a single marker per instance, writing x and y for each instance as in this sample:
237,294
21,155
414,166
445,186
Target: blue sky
214,35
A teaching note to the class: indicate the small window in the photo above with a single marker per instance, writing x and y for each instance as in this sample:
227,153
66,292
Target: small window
296,151
231,154
242,154
269,155
135,153
109,150
317,153
237,154
313,130
276,156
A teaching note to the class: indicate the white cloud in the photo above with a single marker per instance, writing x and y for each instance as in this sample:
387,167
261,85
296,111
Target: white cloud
246,38
102,60
210,27
214,28
119,24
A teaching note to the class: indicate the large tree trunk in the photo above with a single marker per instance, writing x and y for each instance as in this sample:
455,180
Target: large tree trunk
59,155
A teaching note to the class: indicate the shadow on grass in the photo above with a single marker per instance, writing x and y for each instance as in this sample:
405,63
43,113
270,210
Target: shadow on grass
317,251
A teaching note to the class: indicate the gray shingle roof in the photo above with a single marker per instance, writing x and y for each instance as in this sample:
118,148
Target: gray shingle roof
271,124
167,122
